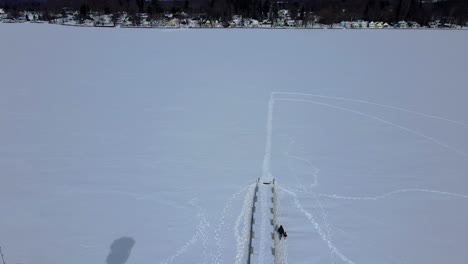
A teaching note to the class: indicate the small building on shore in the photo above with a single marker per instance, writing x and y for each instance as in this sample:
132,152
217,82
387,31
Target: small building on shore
175,22
434,24
290,22
355,24
363,24
415,25
402,24
345,24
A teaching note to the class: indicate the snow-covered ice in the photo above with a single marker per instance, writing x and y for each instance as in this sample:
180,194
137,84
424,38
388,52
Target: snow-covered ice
158,137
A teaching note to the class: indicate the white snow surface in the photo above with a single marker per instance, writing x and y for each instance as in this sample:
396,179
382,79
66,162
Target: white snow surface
160,135
262,228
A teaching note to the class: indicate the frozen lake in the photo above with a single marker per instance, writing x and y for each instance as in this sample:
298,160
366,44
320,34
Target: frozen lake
148,142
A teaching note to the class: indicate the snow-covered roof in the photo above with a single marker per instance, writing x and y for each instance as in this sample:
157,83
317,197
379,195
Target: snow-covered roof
283,12
1,11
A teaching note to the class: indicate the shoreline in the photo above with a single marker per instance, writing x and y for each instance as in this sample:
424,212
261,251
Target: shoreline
238,28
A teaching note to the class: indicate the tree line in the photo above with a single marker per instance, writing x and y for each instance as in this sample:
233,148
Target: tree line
329,11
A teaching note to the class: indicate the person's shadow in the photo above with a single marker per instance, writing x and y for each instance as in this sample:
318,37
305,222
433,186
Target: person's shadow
120,250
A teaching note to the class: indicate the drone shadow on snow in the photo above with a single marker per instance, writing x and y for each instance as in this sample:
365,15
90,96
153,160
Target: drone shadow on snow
120,250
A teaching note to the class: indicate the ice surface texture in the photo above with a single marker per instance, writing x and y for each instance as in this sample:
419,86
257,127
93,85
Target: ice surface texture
159,136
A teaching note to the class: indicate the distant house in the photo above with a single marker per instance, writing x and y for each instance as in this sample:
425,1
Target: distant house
88,22
194,22
238,20
280,23
434,24
355,24
415,25
449,25
363,24
283,13
175,22
346,24
372,24
127,22
104,20
246,23
208,23
402,24
379,25
266,23
254,23
290,23
145,23
3,15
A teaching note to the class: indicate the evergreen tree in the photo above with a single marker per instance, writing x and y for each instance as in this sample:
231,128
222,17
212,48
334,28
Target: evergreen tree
266,8
83,13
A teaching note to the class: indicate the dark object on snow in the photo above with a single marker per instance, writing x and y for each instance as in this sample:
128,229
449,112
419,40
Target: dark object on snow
120,250
285,235
281,230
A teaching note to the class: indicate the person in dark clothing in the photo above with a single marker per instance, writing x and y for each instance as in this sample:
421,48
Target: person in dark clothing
285,235
281,232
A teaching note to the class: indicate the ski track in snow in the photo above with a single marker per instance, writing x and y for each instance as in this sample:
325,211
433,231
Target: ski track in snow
317,227
202,227
136,196
201,233
315,170
266,176
381,120
182,250
218,256
243,237
73,190
387,195
327,237
465,155
314,173
86,242
92,247
326,223
266,169
375,104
